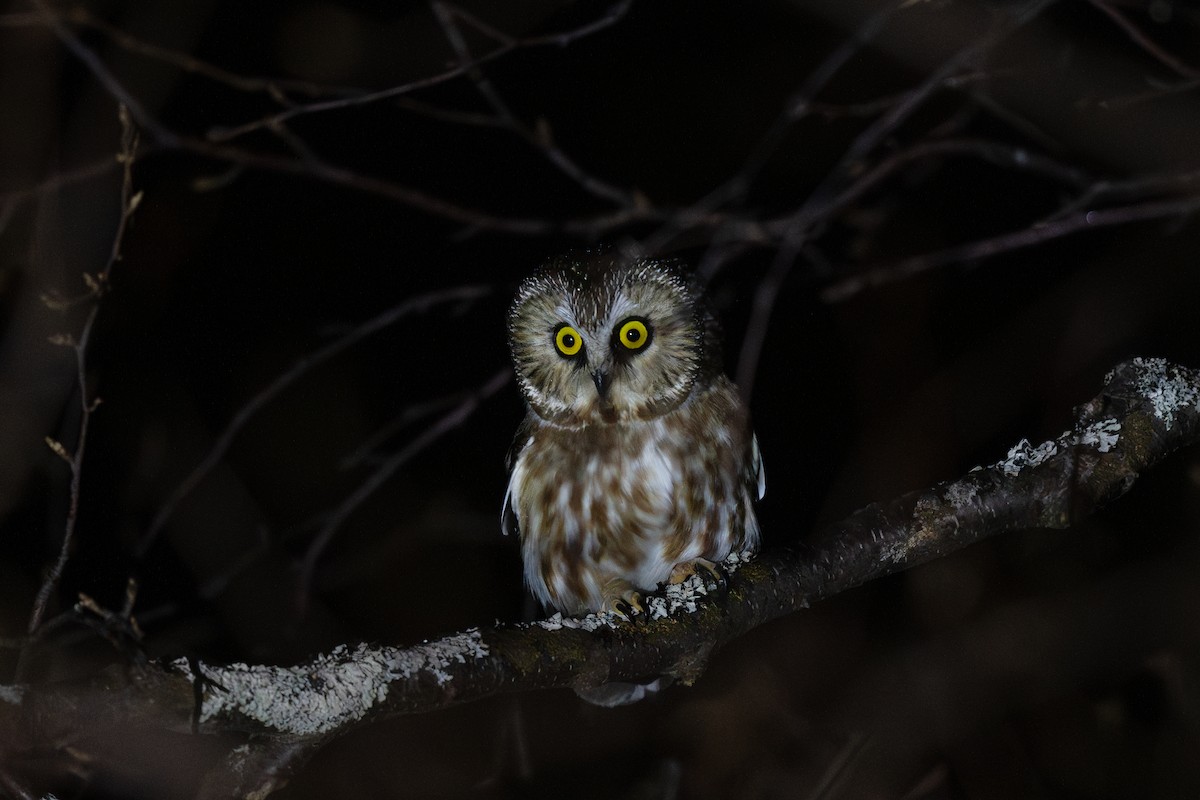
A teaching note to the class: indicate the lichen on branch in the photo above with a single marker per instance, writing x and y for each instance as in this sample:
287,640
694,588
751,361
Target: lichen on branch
1147,409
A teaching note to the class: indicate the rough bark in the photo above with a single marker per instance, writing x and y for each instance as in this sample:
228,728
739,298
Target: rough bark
1147,409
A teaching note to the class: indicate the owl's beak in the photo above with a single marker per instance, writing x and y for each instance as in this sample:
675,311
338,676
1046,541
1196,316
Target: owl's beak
603,381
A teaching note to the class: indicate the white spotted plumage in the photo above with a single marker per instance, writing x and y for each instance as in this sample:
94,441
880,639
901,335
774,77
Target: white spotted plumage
635,458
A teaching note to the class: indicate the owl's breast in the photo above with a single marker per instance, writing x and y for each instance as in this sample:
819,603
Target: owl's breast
627,502
594,504
609,480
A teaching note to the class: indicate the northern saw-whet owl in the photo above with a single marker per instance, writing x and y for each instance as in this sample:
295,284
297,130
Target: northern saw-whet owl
635,464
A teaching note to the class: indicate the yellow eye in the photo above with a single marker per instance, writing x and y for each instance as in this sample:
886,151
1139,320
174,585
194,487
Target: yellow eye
567,340
633,334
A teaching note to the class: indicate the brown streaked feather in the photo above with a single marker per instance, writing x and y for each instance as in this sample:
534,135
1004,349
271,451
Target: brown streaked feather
611,490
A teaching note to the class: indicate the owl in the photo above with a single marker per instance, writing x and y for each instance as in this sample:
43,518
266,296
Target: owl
635,464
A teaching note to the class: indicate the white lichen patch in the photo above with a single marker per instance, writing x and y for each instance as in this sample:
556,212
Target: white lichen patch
1102,434
735,561
960,493
433,657
900,551
554,623
331,690
1167,390
591,622
12,694
1024,455
684,596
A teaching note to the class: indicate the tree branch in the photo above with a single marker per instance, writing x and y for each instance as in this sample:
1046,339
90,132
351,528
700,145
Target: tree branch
97,286
1147,409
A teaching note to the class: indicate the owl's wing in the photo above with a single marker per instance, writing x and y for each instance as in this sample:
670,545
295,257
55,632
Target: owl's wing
508,515
524,431
756,464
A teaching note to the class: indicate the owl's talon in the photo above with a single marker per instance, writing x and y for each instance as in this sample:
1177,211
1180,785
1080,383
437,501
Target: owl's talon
627,604
711,574
718,575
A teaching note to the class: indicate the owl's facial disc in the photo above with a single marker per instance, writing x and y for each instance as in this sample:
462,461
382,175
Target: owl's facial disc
619,345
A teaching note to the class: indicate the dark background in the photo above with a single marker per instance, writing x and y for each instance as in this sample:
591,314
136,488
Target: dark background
1044,664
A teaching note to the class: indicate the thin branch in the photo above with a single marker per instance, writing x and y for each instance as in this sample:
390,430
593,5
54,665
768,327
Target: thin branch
796,107
119,628
75,463
406,417
1157,93
97,286
998,153
95,169
876,276
275,88
452,420
541,139
798,229
613,15
1141,187
418,304
96,66
1145,42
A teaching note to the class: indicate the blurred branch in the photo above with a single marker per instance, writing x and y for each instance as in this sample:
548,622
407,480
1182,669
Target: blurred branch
1145,42
58,180
466,66
418,304
1147,409
542,138
163,139
717,214
275,88
102,73
454,419
1056,228
798,229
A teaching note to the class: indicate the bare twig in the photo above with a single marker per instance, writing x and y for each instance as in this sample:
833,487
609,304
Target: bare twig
1157,93
275,88
386,469
1145,42
540,139
614,14
821,201
58,180
420,303
120,628
406,417
796,107
1142,187
97,286
873,277
95,65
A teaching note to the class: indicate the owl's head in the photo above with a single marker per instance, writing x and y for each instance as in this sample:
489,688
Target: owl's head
601,340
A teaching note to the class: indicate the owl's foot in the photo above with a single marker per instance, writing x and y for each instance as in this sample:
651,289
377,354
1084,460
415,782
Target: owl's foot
623,600
712,575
